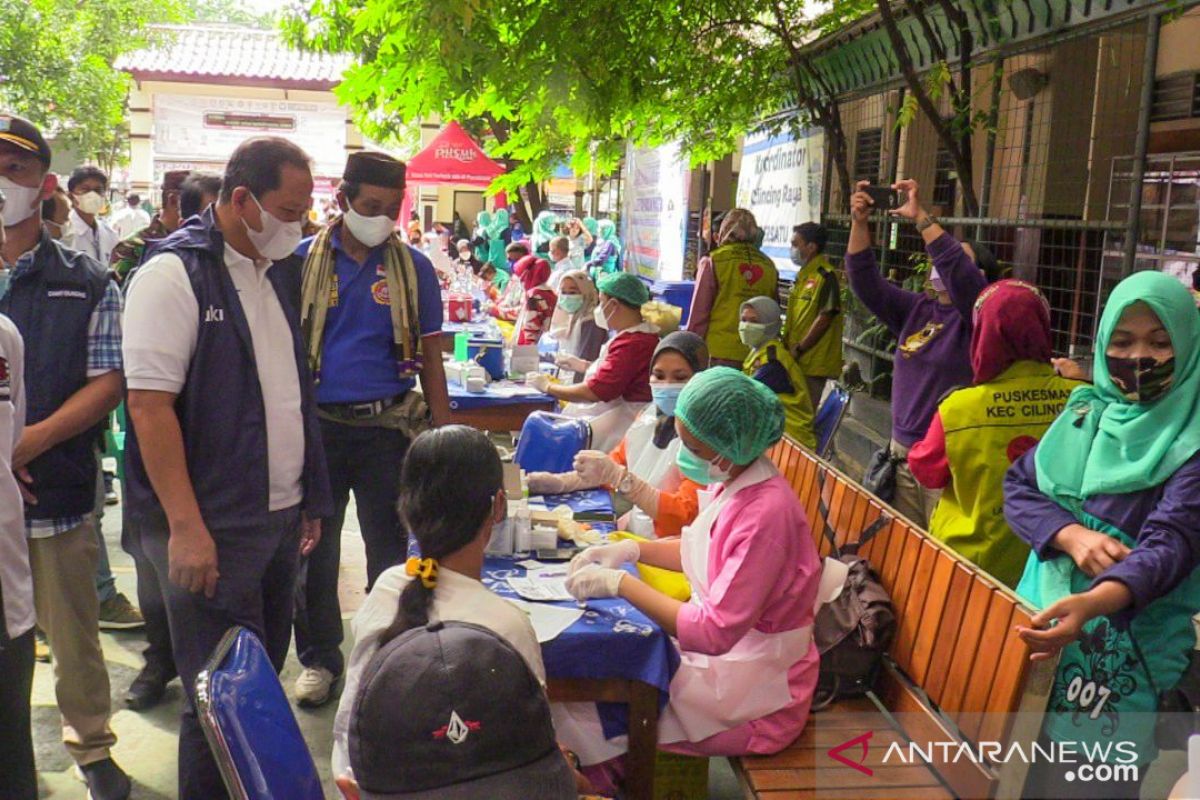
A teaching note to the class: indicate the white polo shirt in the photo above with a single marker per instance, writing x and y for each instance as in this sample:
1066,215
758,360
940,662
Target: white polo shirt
97,243
16,581
161,325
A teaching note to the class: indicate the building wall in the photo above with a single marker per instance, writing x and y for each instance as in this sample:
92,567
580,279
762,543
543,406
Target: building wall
1178,53
141,119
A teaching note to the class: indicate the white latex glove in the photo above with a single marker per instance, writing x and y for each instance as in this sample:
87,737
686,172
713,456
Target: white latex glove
538,380
597,469
545,483
595,581
568,361
606,555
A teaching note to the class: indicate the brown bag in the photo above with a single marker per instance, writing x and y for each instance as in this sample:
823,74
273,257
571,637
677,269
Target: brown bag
855,629
852,633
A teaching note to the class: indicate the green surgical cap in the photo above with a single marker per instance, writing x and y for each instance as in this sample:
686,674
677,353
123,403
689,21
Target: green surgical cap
733,414
625,287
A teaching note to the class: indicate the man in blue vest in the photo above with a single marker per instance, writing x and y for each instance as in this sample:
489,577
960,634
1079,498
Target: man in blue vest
226,475
69,314
371,312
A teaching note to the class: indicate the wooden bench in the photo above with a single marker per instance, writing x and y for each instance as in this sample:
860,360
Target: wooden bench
955,659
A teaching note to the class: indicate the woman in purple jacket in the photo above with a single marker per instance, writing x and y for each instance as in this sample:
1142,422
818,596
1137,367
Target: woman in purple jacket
934,353
1110,503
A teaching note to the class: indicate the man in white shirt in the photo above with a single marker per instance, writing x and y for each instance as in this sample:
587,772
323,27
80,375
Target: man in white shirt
17,773
85,230
131,219
226,479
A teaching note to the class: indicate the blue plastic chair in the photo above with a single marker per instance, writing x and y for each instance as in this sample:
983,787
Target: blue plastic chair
549,442
829,418
250,726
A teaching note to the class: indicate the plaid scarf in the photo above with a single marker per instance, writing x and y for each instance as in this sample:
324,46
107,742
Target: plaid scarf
320,283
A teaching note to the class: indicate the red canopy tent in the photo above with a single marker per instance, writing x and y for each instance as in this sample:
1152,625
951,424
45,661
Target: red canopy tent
452,157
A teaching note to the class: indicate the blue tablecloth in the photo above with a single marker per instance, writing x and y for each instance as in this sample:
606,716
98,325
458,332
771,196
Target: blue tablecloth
592,502
462,400
611,640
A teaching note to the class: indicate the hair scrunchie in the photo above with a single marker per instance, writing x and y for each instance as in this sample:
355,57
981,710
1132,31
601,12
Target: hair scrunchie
424,568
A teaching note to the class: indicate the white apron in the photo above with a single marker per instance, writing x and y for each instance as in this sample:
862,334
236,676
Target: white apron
711,694
656,467
610,419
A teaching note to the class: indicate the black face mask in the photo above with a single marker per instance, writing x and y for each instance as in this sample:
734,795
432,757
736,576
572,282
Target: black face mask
1141,380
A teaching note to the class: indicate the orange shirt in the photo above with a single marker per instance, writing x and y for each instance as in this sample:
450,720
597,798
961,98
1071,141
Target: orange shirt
675,509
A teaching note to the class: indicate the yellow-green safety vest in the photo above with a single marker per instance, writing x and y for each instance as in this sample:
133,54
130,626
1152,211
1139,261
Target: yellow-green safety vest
797,405
824,359
743,272
988,427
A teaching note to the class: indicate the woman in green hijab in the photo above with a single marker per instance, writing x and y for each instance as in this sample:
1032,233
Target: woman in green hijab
606,257
498,238
543,231
1109,500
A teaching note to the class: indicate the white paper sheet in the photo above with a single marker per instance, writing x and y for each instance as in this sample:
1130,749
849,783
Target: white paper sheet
549,588
548,621
512,390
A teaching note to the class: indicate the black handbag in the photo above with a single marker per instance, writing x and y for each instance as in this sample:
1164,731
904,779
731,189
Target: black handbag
880,478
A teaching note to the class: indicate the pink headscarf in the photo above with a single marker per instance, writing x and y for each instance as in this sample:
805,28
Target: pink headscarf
1011,323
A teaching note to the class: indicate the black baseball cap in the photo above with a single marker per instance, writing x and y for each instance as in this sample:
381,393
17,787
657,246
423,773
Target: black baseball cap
451,710
25,135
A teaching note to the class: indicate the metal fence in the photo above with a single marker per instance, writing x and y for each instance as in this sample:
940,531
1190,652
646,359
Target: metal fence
1054,175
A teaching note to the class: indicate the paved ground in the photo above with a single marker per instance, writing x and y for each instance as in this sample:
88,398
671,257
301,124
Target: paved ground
147,741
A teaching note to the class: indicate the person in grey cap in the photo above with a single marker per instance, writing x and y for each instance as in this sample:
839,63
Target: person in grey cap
452,710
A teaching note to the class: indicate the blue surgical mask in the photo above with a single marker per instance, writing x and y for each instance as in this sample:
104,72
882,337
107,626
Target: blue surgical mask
697,470
666,396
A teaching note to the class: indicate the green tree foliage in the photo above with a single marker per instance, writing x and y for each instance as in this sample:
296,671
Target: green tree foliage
56,60
474,60
574,79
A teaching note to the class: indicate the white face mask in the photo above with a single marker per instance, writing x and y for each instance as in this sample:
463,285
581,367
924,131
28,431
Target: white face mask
90,202
277,239
371,231
601,320
19,201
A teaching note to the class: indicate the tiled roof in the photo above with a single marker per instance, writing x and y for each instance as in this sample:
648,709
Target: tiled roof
227,54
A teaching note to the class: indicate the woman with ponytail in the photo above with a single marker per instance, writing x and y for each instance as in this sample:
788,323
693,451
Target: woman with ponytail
451,494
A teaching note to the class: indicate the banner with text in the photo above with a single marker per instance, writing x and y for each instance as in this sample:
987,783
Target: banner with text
654,220
780,182
207,129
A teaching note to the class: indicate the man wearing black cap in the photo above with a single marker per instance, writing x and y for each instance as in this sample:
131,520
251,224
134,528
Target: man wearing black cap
452,710
69,313
371,313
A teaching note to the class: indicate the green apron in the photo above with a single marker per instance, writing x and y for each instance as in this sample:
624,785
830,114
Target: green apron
1102,690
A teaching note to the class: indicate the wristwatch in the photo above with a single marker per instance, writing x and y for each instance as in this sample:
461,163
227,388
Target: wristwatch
925,222
625,485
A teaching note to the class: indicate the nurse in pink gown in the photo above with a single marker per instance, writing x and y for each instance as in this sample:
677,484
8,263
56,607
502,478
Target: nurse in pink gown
748,666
